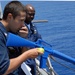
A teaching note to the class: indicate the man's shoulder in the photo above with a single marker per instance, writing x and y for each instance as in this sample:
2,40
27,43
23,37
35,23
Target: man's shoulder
3,30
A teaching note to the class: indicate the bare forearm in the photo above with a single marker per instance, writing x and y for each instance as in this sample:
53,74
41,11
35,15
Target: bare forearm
16,62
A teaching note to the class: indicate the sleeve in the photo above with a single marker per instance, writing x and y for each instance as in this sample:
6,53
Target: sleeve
4,58
34,34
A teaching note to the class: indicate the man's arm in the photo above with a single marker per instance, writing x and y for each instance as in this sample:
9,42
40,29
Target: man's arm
16,62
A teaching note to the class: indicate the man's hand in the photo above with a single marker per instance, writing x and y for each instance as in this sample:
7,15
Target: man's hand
33,53
23,32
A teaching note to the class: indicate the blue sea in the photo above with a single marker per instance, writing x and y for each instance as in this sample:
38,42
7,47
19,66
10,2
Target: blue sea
59,31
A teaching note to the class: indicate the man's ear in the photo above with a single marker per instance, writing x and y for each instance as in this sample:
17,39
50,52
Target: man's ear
10,16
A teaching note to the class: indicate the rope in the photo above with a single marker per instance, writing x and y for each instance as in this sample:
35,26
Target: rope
62,64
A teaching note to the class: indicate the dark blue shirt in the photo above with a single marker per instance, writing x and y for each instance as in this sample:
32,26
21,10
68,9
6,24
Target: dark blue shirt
4,57
6,53
32,36
33,32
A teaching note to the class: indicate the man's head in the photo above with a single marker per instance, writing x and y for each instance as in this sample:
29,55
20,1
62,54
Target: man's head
14,15
30,13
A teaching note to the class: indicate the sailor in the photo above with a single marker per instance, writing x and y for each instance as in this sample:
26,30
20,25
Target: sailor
13,21
33,34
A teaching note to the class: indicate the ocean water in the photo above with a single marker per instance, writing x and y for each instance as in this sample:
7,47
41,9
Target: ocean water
59,31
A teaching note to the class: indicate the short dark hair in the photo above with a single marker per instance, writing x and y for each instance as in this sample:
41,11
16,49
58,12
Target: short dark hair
13,7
